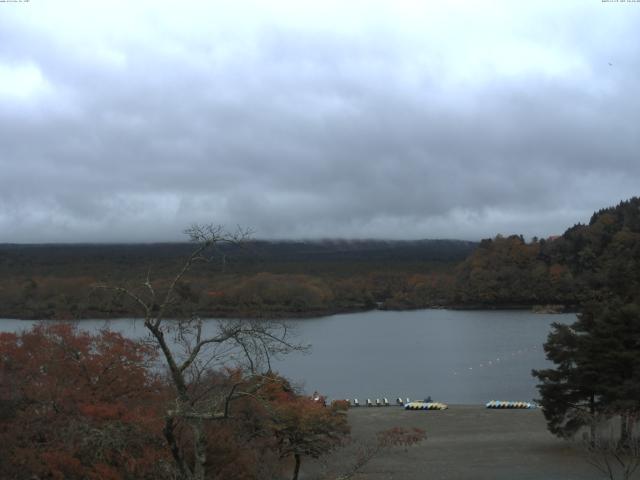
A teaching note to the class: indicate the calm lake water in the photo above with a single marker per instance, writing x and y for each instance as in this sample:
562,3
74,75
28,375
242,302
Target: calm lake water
453,356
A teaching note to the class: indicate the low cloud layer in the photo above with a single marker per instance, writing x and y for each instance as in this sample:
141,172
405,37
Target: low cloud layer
388,120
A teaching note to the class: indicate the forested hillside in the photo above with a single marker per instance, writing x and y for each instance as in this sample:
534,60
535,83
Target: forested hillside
597,258
261,278
257,278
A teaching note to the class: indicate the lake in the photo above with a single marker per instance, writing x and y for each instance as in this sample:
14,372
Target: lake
458,357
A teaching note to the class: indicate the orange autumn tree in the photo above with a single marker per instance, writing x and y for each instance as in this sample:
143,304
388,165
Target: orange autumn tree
302,426
75,405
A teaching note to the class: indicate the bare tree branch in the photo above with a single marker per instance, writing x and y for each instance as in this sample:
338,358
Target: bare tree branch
197,401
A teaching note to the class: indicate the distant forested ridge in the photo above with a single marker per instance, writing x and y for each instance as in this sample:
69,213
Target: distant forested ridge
259,278
586,261
300,278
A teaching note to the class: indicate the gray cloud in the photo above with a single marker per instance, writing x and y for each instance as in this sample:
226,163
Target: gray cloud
379,121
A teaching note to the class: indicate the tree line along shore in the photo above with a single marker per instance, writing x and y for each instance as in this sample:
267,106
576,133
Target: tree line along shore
297,279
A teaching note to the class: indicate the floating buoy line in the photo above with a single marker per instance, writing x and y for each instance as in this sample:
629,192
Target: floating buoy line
494,362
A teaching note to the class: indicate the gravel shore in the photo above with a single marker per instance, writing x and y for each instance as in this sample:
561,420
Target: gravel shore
467,442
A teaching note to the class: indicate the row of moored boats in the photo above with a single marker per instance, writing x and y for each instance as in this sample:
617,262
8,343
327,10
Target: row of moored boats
429,405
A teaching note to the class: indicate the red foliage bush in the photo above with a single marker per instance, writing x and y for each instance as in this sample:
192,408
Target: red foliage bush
75,405
339,405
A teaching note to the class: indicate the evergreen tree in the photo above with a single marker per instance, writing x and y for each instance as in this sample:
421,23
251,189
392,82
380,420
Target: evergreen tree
567,398
597,367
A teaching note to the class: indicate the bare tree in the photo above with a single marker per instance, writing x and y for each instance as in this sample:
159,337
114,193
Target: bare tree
190,351
612,445
348,461
386,439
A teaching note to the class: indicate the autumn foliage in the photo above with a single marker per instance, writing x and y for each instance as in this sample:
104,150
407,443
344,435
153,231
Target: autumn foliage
305,427
75,405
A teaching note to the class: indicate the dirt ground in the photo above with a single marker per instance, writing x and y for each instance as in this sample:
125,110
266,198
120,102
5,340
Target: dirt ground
463,442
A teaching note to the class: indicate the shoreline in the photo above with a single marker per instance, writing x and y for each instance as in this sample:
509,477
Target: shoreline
289,315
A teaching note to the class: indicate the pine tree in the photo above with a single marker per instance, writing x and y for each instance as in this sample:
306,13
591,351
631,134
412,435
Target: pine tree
597,367
567,398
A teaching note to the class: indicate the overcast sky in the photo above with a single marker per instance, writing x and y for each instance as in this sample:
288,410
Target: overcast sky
129,121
